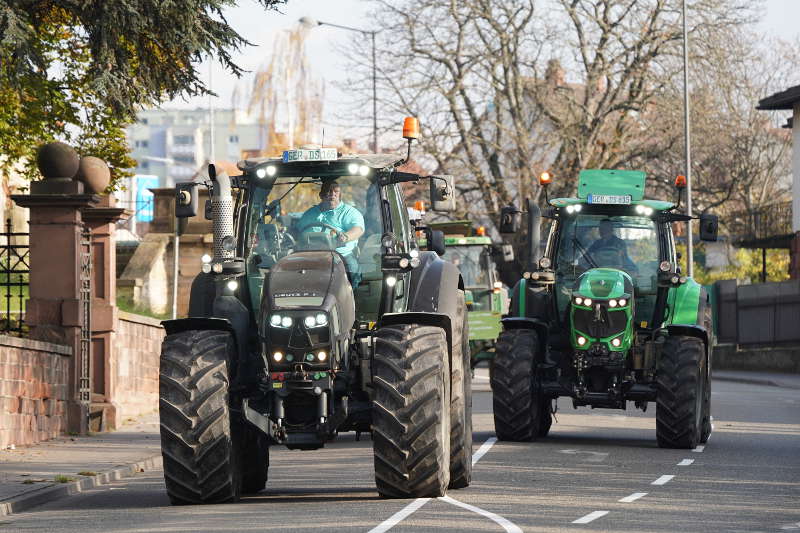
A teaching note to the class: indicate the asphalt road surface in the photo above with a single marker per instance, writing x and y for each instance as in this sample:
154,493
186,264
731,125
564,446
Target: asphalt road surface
597,471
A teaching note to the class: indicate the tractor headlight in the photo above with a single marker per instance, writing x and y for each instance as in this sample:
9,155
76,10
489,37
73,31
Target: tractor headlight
322,319
587,302
315,321
612,302
275,320
616,342
665,266
578,300
622,302
581,340
277,357
310,321
322,356
286,321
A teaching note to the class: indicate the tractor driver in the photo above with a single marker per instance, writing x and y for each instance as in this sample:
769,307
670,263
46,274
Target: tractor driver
608,242
346,219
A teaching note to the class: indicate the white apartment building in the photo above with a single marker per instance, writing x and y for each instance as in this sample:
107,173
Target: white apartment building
172,144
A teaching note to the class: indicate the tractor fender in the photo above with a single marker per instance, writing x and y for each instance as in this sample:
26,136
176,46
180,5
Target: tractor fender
517,322
179,325
201,297
434,286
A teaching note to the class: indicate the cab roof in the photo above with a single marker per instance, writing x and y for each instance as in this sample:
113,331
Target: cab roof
374,161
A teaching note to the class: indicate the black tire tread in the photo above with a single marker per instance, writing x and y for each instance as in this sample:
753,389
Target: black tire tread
196,440
679,378
412,459
515,416
460,401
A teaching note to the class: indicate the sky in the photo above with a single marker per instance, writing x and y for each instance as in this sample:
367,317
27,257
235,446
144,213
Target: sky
259,27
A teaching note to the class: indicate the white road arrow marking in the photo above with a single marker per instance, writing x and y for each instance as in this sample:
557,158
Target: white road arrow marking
594,457
590,517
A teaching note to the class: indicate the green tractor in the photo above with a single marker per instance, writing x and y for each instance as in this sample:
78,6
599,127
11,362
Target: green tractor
606,316
318,314
473,252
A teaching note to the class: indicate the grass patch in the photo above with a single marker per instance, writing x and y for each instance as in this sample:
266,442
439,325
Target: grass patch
87,473
29,482
125,303
61,478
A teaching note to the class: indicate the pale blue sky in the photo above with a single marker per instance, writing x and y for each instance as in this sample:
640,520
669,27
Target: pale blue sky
259,27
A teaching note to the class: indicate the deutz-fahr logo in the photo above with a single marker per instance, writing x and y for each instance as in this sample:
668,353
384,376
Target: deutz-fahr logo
296,294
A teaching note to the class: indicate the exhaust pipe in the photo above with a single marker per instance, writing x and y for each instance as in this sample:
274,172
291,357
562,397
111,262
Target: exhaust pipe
534,234
222,214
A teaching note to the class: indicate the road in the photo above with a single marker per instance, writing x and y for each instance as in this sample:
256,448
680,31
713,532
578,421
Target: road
598,471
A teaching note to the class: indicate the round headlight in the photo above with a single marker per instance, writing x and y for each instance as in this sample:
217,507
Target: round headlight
391,280
309,357
665,266
640,209
277,357
622,302
233,285
275,320
322,356
206,258
363,170
570,209
581,341
206,268
578,208
286,321
261,172
322,319
675,280
616,342
216,268
289,358
587,302
648,211
526,275
579,300
414,253
404,262
612,303
414,262
545,262
352,168
271,170
310,321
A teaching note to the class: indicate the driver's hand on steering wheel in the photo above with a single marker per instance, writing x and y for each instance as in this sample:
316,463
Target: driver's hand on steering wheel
343,237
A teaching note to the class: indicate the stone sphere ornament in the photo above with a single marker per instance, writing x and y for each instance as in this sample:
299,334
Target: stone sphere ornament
94,173
57,160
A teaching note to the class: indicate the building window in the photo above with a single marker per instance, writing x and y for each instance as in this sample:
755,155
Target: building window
144,164
184,159
184,139
143,121
141,144
233,139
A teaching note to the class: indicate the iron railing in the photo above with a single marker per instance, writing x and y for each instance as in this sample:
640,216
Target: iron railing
765,223
15,272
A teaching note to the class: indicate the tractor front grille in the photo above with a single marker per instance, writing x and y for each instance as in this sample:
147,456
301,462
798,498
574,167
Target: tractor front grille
608,324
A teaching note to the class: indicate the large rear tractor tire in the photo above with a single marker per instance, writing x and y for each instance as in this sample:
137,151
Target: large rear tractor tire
460,402
705,430
411,412
197,444
681,379
517,408
545,417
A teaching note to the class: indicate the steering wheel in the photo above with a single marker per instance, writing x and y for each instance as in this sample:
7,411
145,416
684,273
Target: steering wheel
331,244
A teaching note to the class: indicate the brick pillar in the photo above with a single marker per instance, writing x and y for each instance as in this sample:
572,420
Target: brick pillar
54,308
101,219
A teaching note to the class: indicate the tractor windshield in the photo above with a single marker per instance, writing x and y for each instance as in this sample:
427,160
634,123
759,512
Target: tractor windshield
628,243
468,261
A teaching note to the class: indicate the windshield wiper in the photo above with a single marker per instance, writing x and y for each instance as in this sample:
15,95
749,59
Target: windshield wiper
275,203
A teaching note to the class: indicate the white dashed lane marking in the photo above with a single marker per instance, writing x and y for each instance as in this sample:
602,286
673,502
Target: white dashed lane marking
686,462
699,449
633,497
662,480
590,517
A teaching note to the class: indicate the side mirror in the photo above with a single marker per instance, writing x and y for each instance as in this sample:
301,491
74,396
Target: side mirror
508,253
709,227
209,210
443,193
186,200
435,240
509,219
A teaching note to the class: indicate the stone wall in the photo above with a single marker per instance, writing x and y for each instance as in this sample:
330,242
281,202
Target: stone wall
33,390
134,366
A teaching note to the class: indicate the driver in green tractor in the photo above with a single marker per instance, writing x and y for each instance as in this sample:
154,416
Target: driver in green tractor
344,219
608,248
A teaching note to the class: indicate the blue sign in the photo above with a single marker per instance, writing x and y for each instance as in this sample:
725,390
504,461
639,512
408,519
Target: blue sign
144,198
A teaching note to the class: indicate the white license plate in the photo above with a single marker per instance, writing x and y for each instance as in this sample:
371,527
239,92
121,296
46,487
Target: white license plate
314,154
624,199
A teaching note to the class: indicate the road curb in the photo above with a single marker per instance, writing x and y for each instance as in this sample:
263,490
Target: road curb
53,492
755,381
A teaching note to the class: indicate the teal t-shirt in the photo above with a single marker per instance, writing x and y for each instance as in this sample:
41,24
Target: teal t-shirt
343,218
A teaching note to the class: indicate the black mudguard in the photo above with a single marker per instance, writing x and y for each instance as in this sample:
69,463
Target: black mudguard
201,297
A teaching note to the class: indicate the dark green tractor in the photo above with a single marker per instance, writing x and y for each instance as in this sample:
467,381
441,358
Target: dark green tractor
605,316
297,332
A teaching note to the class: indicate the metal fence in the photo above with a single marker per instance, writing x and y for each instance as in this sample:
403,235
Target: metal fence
14,280
762,314
763,224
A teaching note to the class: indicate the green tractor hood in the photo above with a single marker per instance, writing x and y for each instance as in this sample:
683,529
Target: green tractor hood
601,311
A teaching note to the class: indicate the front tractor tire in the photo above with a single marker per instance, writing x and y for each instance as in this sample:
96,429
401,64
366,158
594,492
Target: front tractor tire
521,413
411,412
460,402
197,443
681,380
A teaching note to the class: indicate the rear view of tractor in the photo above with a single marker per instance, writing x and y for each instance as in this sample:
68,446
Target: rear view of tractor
318,314
606,316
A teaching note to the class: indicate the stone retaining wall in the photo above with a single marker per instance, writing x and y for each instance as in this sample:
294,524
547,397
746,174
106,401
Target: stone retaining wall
134,365
33,390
